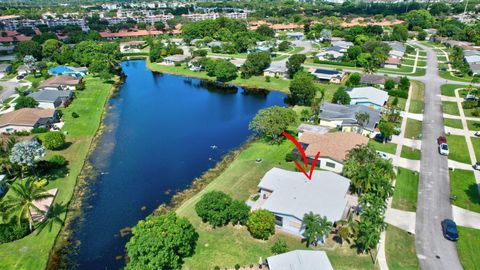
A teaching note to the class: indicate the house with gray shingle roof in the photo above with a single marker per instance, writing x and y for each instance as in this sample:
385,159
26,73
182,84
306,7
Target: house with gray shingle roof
290,195
51,99
343,117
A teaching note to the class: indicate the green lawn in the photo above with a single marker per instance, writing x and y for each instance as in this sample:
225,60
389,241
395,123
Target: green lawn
448,76
463,185
450,107
416,101
32,251
406,189
476,147
413,129
384,147
449,89
401,102
473,125
458,149
469,113
400,249
408,152
454,123
468,246
227,246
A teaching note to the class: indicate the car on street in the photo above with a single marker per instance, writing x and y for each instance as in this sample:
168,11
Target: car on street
442,145
441,139
449,229
19,77
477,133
381,138
476,166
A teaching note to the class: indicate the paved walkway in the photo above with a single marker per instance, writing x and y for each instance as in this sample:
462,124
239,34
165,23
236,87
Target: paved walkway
459,165
417,144
466,218
404,220
410,164
416,116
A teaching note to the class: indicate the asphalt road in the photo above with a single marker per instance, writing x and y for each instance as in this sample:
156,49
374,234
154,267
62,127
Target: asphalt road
433,250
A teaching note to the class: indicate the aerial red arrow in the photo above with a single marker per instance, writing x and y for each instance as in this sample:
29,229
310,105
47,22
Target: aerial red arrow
304,156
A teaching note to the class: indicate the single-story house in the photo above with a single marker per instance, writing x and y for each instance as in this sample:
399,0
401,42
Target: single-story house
300,260
176,58
132,46
328,75
194,65
475,68
333,148
5,68
329,55
295,35
26,119
23,70
214,43
392,62
341,43
397,49
377,80
60,82
52,99
276,70
67,70
290,195
238,62
368,96
344,118
311,128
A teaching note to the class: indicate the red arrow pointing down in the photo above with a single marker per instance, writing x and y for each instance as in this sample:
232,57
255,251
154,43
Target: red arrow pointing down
304,156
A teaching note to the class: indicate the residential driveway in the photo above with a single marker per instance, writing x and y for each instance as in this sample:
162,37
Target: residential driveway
8,89
466,218
404,220
433,205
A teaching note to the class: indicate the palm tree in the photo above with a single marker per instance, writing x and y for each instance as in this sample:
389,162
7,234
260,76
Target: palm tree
362,119
316,228
347,229
53,216
20,204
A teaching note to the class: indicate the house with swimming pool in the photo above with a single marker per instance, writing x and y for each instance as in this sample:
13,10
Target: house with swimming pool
368,96
290,195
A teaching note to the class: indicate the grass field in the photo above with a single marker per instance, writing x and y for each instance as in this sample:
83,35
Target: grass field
400,249
458,149
450,107
448,76
463,186
454,123
32,251
227,246
449,89
401,102
413,129
384,147
416,101
468,247
408,152
476,147
406,188
473,125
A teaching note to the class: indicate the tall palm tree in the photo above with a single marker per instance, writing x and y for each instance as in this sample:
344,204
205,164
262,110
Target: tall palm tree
316,228
348,228
362,119
21,202
52,217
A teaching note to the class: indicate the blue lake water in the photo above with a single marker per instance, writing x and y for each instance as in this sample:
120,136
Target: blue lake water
159,134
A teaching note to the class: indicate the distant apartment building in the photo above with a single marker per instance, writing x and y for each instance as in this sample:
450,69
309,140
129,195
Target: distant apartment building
13,24
195,17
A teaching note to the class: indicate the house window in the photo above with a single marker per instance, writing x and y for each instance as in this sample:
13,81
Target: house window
330,164
279,221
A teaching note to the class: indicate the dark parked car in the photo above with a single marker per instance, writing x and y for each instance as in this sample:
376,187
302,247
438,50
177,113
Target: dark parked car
380,138
449,229
441,140
19,77
476,166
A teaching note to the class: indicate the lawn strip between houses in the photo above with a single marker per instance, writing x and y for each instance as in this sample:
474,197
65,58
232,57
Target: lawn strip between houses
406,189
464,187
400,249
458,149
468,247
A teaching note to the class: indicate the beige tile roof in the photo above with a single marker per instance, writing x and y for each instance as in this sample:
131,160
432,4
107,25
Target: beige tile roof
59,80
334,145
25,116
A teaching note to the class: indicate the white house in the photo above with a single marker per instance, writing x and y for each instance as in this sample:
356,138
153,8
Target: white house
368,96
276,70
60,82
26,119
290,195
52,99
300,260
172,59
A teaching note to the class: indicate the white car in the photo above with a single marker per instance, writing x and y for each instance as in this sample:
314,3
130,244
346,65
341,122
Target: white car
382,155
476,166
443,149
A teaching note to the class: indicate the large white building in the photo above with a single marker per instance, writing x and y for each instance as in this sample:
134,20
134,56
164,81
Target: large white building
194,17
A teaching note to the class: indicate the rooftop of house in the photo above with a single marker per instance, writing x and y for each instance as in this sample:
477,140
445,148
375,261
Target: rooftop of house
293,194
326,71
393,61
67,69
176,57
277,67
368,94
472,58
129,33
368,78
238,62
25,116
59,80
347,113
300,260
397,46
312,128
333,145
50,95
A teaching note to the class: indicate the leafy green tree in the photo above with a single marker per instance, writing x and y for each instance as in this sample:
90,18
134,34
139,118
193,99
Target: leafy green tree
365,60
261,224
341,96
44,37
54,140
159,26
25,102
294,64
283,46
422,35
161,242
316,228
238,212
225,71
387,129
399,33
29,47
272,121
52,48
421,18
362,119
213,208
302,89
265,30
279,247
22,200
404,83
389,85
353,52
255,64
354,79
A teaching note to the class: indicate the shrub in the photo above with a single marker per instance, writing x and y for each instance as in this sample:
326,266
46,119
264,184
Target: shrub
39,130
267,78
476,112
54,140
469,104
80,86
22,133
57,161
261,224
398,93
279,247
238,212
213,208
237,266
11,231
75,115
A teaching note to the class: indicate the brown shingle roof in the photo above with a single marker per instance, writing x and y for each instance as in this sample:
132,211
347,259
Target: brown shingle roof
57,81
25,116
333,145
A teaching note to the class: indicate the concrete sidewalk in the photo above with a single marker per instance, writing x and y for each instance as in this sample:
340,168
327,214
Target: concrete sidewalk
417,144
404,220
466,218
